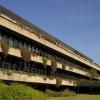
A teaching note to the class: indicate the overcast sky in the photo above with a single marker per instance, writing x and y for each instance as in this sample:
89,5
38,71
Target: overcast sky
76,22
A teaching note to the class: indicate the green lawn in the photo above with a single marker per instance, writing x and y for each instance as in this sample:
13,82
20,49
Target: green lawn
78,97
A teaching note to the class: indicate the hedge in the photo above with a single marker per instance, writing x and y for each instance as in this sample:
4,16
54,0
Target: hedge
19,92
64,93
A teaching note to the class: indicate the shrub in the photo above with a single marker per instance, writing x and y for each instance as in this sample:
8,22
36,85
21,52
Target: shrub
49,92
70,81
49,57
58,81
44,62
3,72
9,72
29,74
51,77
26,55
67,92
54,65
45,77
63,66
5,48
19,92
64,93
70,68
93,73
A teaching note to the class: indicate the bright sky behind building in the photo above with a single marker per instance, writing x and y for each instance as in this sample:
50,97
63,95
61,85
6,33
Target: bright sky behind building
76,22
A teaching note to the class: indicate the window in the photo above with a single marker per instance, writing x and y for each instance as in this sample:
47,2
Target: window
20,44
0,36
37,50
29,47
16,43
25,45
33,49
11,41
5,38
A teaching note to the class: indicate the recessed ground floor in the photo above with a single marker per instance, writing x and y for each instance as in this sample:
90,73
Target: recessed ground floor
89,90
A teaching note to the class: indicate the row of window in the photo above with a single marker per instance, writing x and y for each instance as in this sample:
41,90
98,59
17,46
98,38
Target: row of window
17,42
35,68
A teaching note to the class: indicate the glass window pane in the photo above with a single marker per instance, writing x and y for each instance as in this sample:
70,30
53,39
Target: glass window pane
25,45
0,36
5,39
16,43
11,41
20,44
33,48
29,47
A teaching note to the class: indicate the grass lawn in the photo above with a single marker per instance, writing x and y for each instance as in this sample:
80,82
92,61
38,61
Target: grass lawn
78,97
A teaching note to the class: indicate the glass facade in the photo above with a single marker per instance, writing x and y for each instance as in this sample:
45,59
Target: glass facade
18,65
18,42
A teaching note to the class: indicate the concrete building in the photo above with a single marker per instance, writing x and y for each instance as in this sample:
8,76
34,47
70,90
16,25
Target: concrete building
29,54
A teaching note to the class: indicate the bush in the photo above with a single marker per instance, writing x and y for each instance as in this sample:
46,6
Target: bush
54,65
9,72
93,73
67,92
49,92
44,62
64,93
44,77
51,77
5,48
63,66
26,55
19,92
58,81
70,68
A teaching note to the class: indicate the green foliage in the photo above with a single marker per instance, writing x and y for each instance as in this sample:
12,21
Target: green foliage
93,73
45,65
45,77
26,54
5,48
70,68
51,77
64,93
58,81
54,65
29,74
70,80
63,66
68,93
49,57
19,92
9,72
44,62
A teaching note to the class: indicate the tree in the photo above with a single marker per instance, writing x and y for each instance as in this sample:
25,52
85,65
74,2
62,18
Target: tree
93,74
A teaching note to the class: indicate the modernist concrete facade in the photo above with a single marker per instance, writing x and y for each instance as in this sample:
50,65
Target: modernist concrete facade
50,59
